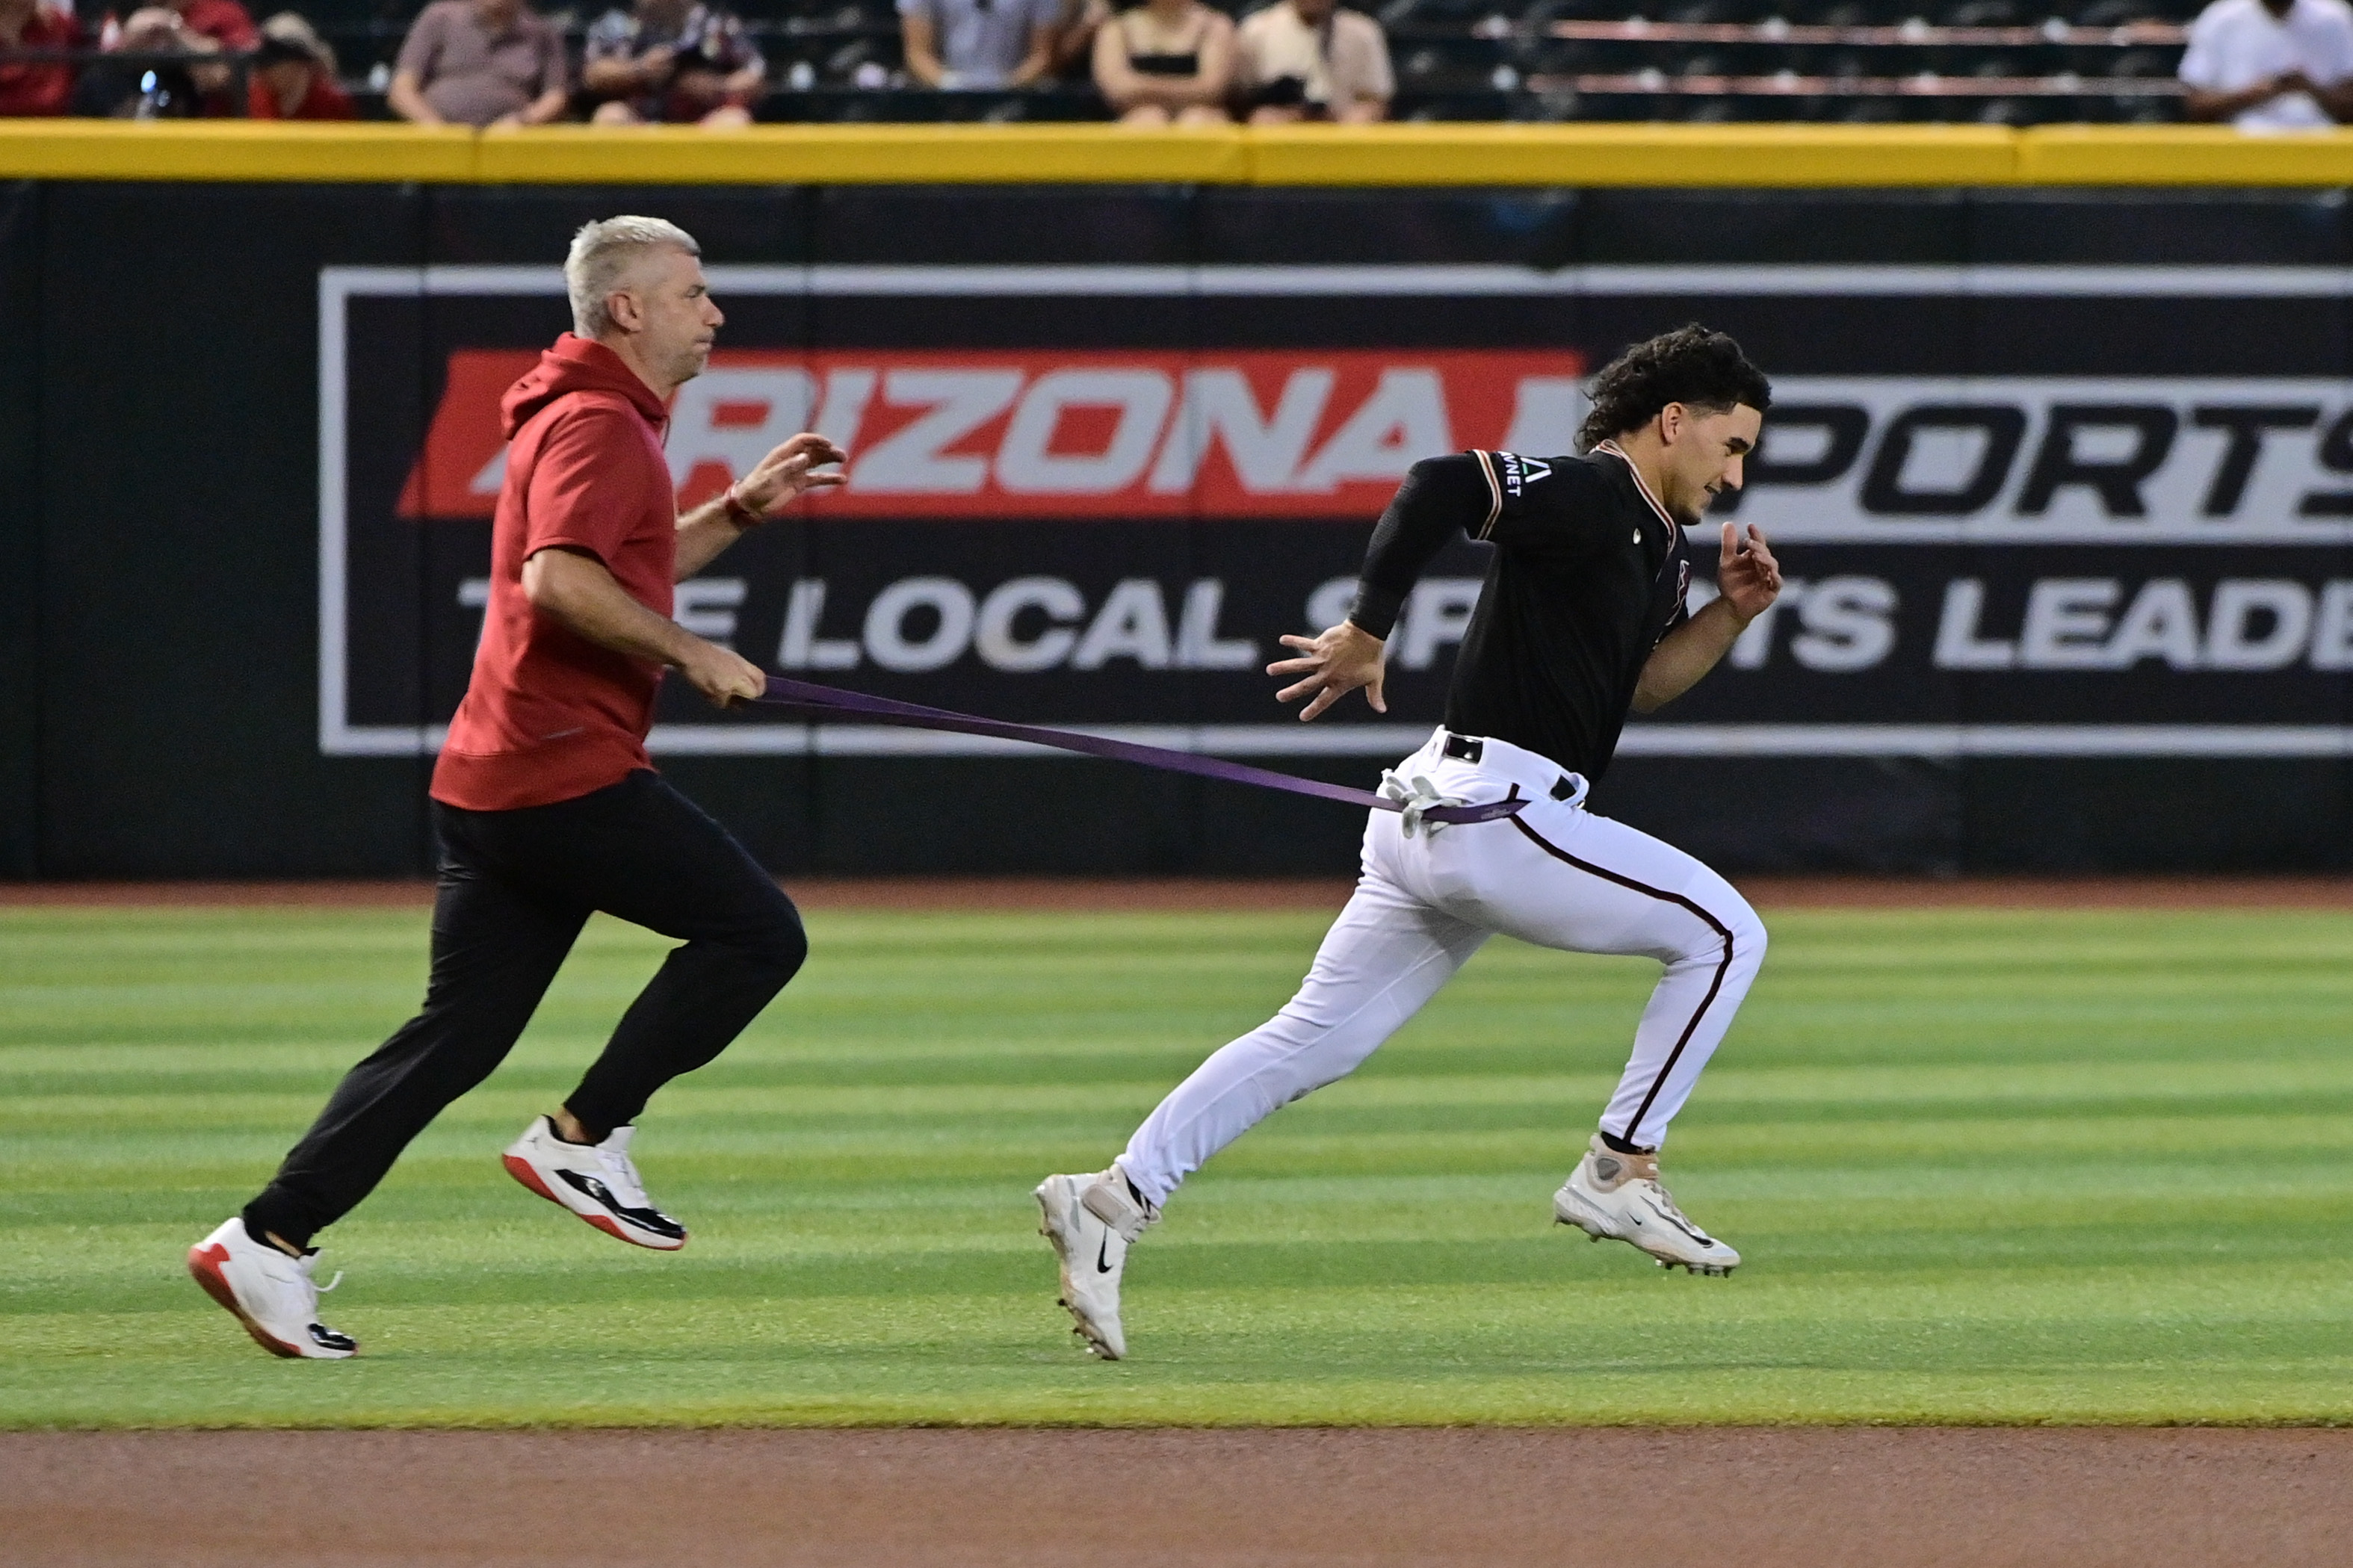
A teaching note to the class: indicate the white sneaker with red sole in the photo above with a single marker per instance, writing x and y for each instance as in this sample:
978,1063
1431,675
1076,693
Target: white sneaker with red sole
595,1181
270,1292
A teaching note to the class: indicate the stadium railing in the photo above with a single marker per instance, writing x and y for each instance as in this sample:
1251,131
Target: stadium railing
1763,155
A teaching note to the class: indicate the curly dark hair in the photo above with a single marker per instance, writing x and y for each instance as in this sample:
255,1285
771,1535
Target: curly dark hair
1690,364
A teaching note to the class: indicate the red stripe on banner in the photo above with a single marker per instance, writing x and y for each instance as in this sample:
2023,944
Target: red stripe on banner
1058,433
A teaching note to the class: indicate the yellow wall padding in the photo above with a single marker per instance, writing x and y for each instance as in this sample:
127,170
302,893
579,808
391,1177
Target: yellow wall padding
1408,154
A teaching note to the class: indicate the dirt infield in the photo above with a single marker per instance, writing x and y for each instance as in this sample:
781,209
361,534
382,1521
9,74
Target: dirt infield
1764,1498
1158,893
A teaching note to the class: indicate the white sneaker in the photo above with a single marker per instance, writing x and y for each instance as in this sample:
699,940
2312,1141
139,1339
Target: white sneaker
1618,1197
1090,1220
595,1181
269,1291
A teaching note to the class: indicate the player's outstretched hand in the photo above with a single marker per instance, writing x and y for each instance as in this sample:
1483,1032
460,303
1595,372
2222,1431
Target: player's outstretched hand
787,472
1343,658
721,674
1747,572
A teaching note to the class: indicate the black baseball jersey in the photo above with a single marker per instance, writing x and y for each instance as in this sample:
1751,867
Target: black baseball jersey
1590,571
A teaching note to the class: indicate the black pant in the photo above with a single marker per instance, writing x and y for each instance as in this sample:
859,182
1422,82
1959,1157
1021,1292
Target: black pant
515,888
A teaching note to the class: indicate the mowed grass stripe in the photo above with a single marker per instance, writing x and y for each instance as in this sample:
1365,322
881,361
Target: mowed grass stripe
1987,1166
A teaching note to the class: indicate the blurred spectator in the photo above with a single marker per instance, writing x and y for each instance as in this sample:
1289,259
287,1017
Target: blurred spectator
2271,65
224,23
1309,59
480,62
1167,60
31,87
294,75
109,90
672,59
1075,25
957,44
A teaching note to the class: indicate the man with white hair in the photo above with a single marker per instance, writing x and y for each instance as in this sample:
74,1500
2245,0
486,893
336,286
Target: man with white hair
546,806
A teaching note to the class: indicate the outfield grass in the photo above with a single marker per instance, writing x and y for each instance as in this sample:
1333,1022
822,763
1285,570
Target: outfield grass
1985,1166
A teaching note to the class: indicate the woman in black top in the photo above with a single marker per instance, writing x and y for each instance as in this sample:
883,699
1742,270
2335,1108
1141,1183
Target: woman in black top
1166,62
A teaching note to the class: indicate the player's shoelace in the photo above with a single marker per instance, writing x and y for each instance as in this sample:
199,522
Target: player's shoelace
1667,1205
631,1187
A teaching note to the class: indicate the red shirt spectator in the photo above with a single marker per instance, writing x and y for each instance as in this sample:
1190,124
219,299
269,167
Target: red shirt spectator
30,86
291,83
224,22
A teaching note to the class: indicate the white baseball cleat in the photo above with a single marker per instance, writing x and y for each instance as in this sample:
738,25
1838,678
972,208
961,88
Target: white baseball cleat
595,1181
270,1292
1092,1220
1618,1197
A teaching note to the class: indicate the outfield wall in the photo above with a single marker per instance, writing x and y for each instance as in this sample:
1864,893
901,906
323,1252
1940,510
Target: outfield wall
2062,478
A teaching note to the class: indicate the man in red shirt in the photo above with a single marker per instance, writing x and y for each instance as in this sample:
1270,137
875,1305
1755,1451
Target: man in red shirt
294,75
224,22
28,87
545,803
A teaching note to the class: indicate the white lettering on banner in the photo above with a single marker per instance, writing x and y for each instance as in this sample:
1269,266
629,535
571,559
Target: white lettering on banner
1219,407
1021,626
994,635
1199,647
736,417
911,458
847,393
1850,625
2332,631
801,647
1133,624
2253,624
1434,616
1754,647
2160,622
706,606
1547,415
2067,622
1844,623
1959,646
1329,605
951,606
2235,637
1437,614
1025,462
2053,459
1403,421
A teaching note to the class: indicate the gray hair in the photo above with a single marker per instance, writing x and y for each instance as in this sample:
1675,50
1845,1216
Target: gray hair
602,254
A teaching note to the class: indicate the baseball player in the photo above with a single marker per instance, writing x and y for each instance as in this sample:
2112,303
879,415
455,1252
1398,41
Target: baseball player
1583,617
546,804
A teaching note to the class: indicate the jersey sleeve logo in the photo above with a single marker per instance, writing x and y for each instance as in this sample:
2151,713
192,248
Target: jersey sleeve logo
1514,473
1509,475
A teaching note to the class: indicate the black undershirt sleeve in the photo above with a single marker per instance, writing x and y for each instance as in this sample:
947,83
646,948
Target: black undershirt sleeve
1440,497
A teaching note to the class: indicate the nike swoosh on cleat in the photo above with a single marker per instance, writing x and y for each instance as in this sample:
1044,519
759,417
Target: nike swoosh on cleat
1699,1237
1103,1255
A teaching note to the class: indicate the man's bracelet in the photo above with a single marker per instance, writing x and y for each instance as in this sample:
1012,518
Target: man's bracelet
739,514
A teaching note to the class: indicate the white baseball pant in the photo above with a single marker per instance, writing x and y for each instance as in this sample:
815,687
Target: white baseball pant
1556,876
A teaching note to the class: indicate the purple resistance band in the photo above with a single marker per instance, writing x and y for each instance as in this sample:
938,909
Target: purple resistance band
831,702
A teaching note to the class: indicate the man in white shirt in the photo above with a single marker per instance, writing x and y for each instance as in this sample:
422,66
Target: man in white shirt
2271,65
1308,60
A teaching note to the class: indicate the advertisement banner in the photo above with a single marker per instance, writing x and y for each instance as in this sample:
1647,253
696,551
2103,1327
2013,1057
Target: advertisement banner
2037,551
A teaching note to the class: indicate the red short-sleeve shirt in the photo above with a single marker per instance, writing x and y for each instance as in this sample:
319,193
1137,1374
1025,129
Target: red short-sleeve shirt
224,22
27,88
549,715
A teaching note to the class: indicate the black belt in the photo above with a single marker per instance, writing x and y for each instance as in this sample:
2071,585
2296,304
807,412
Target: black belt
1471,749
